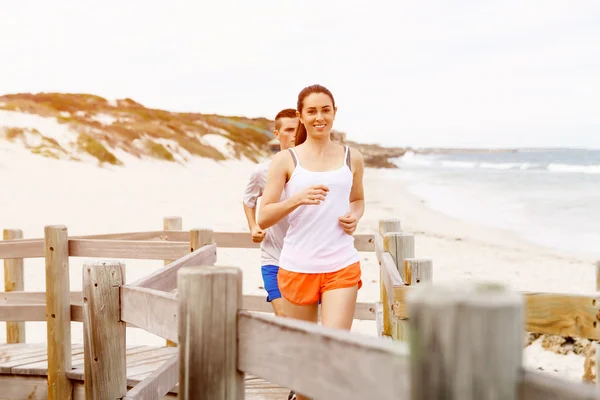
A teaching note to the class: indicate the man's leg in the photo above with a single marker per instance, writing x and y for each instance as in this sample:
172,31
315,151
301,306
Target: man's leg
278,306
269,273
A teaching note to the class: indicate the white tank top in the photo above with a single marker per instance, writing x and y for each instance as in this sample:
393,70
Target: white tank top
315,241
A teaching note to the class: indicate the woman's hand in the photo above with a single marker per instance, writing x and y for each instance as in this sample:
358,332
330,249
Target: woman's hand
348,223
312,195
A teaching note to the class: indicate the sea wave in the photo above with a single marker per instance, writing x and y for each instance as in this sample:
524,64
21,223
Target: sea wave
567,168
428,161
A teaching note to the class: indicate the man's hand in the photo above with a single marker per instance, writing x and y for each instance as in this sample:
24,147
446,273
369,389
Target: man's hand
348,223
257,234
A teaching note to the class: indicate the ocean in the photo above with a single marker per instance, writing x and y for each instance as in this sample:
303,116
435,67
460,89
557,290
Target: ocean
548,197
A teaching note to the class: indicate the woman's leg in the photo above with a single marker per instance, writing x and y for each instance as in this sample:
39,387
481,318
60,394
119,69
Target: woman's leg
301,294
337,307
308,313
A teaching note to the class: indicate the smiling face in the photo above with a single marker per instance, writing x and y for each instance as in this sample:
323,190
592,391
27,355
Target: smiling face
318,114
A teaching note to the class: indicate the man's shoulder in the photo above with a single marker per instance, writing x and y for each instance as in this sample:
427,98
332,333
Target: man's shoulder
262,168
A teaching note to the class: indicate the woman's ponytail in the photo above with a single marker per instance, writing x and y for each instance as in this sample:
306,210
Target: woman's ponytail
300,134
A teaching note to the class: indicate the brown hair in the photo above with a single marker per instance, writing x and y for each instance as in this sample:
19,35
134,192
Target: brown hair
285,113
301,131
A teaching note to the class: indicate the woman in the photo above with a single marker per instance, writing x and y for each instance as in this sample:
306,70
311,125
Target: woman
323,188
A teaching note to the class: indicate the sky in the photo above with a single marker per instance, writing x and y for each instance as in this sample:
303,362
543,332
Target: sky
459,73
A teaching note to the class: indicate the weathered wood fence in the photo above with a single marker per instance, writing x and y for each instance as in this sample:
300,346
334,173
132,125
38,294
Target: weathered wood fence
148,303
465,342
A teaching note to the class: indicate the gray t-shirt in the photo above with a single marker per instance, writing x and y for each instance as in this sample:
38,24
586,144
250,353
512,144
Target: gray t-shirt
270,247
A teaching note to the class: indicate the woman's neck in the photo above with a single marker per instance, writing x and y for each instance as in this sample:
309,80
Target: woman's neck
318,145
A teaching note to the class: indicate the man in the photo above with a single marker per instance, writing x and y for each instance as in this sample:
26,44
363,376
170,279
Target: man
271,240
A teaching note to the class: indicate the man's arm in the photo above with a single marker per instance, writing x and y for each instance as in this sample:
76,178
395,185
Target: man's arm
250,199
257,234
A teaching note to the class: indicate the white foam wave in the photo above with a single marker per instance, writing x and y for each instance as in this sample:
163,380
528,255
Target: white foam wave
458,164
499,165
568,168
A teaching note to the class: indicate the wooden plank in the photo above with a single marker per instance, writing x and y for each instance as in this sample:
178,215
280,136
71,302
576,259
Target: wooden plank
32,297
563,314
103,332
22,248
260,389
242,240
171,224
79,393
15,387
22,312
547,313
158,383
390,276
148,366
150,235
291,353
84,246
18,387
38,365
541,386
34,248
32,311
363,311
134,357
127,249
166,279
58,311
151,310
210,298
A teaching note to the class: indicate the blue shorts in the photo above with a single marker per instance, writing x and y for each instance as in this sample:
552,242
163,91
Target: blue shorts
269,273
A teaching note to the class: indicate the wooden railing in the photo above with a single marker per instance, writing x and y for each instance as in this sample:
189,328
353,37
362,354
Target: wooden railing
221,337
574,315
58,306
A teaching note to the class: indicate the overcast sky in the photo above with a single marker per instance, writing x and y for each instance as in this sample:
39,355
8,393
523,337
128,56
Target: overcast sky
420,73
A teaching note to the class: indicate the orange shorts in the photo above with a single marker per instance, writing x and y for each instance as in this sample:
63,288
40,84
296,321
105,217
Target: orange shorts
304,289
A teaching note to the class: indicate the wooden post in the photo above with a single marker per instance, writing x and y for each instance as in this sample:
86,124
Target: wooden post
105,374
401,246
200,238
172,224
416,272
597,357
598,276
14,281
209,299
58,312
385,226
466,343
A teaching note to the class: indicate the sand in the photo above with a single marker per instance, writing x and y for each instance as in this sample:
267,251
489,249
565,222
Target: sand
35,191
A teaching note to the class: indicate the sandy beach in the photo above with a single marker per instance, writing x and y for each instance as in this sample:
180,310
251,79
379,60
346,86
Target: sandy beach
36,191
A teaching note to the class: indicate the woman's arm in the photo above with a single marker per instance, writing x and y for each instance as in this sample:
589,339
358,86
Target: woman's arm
357,195
272,210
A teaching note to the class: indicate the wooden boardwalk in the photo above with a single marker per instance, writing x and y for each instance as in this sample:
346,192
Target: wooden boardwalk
24,368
